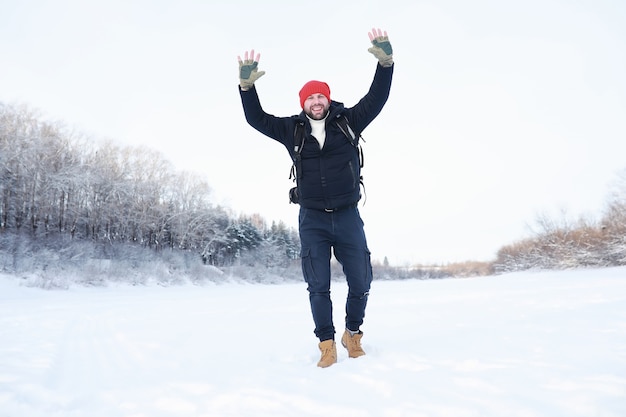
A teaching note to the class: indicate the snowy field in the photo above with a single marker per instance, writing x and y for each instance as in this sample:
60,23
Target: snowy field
521,345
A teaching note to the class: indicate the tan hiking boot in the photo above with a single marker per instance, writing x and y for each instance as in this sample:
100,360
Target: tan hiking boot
353,343
329,353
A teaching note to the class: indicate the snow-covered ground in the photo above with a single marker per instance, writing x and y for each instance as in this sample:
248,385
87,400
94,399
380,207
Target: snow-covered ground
528,344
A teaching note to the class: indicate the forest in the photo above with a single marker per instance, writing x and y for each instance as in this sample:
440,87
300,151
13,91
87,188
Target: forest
69,203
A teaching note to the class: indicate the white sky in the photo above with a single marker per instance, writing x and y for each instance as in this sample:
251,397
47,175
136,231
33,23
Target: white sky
499,111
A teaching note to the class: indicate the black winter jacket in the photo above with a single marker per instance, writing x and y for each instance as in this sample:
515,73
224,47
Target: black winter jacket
329,178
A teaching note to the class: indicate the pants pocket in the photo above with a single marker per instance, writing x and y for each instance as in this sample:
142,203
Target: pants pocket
307,267
369,275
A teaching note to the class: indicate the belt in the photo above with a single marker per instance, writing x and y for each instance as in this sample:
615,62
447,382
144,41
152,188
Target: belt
336,209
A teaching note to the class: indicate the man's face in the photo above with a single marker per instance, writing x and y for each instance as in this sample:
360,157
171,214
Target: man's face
316,106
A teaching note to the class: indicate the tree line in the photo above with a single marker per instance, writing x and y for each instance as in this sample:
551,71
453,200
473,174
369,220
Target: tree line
565,243
67,197
57,185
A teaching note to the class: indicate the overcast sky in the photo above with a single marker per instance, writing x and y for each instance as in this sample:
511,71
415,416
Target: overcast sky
499,111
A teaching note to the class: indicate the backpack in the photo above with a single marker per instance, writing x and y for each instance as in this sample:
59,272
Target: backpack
296,171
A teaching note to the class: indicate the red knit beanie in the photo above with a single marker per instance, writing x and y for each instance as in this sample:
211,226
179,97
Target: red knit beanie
313,87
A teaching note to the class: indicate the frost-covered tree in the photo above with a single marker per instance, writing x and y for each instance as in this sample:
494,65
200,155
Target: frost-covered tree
57,186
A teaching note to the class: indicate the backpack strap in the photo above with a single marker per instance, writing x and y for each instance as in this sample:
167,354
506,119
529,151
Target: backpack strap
344,126
298,144
353,138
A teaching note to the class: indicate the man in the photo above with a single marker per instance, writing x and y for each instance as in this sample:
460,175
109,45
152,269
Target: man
328,188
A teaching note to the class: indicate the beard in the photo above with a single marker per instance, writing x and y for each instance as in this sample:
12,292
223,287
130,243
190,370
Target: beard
318,116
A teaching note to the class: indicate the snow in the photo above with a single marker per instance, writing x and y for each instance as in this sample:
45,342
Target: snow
525,344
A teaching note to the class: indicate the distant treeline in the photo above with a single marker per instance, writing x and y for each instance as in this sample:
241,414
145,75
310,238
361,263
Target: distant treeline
60,190
56,185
